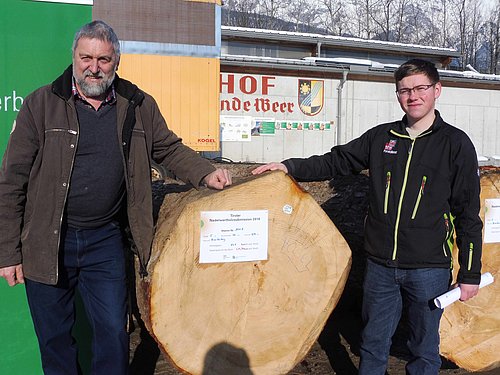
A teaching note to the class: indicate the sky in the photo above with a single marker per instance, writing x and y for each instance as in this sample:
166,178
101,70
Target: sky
489,4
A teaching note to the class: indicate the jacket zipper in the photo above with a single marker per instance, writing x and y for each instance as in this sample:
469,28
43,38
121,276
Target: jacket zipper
450,229
387,188
471,252
77,134
401,198
447,225
126,161
61,130
420,193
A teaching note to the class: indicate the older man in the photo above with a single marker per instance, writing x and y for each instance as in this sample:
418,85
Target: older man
76,173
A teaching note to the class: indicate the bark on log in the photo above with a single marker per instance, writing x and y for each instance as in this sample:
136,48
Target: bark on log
258,317
470,331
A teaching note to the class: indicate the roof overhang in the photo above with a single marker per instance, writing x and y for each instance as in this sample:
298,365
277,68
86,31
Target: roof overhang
357,69
232,32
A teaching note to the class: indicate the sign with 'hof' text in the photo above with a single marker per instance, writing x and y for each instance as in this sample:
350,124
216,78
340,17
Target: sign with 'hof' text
274,103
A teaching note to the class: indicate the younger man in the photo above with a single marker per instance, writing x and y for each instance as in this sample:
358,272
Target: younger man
424,185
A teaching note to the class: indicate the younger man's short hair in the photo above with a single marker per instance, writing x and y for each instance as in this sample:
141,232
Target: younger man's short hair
417,66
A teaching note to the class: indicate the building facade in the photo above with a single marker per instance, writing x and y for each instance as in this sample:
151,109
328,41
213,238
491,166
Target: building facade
289,94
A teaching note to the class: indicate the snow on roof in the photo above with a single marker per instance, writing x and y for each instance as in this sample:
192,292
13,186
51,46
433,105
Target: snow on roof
469,74
337,40
265,59
353,64
347,61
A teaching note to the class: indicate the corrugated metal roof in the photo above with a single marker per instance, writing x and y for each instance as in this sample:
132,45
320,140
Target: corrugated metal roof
335,41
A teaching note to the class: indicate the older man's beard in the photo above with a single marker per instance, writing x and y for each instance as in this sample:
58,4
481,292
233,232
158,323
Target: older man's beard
94,89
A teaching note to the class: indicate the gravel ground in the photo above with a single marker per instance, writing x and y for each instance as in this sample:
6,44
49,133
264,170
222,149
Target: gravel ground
336,351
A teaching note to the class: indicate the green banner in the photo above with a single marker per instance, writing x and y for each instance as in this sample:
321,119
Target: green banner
35,47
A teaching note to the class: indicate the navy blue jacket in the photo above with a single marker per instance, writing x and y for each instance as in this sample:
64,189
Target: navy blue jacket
421,191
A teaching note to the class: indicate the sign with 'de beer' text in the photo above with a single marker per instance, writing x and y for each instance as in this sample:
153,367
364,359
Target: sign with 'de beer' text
274,103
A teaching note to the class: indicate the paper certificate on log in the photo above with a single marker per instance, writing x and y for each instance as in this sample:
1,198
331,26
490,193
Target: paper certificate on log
491,220
233,236
453,295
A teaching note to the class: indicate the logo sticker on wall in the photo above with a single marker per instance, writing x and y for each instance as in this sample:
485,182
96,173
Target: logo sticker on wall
311,96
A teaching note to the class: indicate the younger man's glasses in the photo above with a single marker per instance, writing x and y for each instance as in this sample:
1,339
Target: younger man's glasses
419,90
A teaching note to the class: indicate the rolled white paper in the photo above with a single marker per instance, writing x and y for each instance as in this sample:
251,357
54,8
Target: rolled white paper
453,295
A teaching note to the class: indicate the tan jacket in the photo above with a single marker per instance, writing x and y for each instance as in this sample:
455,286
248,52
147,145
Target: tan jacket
37,165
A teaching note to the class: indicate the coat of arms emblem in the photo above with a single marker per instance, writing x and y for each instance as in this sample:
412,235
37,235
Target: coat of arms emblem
311,96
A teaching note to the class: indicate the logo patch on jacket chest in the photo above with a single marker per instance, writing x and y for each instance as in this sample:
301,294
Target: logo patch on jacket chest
389,147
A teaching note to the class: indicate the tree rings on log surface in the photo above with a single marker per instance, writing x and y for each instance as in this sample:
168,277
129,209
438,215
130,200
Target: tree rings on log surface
256,317
470,331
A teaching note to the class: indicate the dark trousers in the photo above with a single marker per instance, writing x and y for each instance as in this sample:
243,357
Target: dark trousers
386,291
93,261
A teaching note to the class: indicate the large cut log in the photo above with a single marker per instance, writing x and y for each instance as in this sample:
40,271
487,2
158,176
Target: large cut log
258,317
470,331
